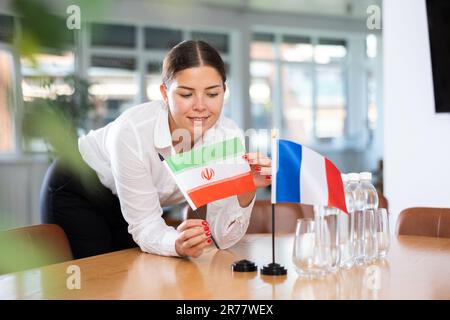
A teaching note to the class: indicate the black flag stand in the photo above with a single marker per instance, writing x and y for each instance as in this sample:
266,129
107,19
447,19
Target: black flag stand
244,266
273,269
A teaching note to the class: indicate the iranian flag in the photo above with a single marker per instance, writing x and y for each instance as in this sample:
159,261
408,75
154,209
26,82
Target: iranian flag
211,172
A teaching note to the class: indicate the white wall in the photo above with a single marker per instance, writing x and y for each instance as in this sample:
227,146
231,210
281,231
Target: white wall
416,144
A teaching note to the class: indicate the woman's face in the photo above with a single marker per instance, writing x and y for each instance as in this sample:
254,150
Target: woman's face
195,99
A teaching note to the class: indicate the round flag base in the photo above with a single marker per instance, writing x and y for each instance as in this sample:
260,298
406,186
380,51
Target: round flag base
273,269
244,266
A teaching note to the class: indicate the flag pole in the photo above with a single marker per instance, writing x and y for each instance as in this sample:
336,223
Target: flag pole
274,269
214,240
273,233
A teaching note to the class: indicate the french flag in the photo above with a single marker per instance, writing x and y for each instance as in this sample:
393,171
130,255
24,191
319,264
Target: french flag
304,176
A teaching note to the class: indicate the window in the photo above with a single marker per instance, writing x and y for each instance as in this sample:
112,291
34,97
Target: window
261,93
331,104
330,50
118,36
371,54
294,48
153,81
263,46
162,39
218,40
371,46
114,87
44,78
6,28
122,78
372,114
304,79
6,112
297,102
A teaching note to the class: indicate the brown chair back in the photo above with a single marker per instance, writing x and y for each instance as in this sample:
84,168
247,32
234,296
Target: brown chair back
286,216
421,221
382,201
33,247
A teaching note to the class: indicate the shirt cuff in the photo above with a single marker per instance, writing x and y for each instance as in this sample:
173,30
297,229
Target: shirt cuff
168,242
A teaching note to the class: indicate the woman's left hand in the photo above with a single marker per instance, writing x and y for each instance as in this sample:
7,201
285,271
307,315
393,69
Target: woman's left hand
261,167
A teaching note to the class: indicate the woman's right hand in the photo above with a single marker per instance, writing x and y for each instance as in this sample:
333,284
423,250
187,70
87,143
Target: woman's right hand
194,237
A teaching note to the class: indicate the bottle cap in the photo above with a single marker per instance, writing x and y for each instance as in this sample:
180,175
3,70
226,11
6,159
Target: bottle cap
365,176
344,177
353,176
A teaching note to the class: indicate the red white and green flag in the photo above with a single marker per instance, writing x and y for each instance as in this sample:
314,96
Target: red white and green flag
212,172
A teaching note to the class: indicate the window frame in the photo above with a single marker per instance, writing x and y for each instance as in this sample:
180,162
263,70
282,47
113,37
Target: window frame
144,56
347,141
16,101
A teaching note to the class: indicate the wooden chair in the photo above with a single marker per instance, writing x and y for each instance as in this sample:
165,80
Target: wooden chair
382,201
422,221
286,216
32,247
261,218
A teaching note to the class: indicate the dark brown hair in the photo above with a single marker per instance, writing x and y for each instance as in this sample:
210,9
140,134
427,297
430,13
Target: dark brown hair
191,54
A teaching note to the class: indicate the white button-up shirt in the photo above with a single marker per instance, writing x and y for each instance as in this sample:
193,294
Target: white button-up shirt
124,154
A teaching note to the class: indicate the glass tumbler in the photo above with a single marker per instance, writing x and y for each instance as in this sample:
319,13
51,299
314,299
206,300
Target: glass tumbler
303,254
382,232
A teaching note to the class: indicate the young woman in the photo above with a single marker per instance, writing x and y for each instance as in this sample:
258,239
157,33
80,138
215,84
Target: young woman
131,182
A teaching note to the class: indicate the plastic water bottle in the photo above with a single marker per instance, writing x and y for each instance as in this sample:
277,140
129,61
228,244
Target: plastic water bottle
371,204
360,231
331,220
346,228
371,192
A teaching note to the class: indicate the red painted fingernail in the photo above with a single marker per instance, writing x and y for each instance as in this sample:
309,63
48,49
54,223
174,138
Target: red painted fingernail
245,157
206,228
208,234
268,177
208,241
258,168
205,223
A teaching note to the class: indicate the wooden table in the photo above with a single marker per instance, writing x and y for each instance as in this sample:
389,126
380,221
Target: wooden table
415,268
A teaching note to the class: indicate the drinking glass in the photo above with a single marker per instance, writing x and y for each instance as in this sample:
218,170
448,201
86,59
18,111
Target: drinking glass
370,241
304,253
326,253
358,239
346,239
331,216
382,232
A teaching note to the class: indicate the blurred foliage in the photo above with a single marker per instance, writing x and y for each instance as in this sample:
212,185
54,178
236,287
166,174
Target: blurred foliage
44,119
44,27
73,108
40,28
57,118
20,253
54,120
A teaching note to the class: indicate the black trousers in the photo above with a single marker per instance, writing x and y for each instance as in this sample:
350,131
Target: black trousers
88,212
